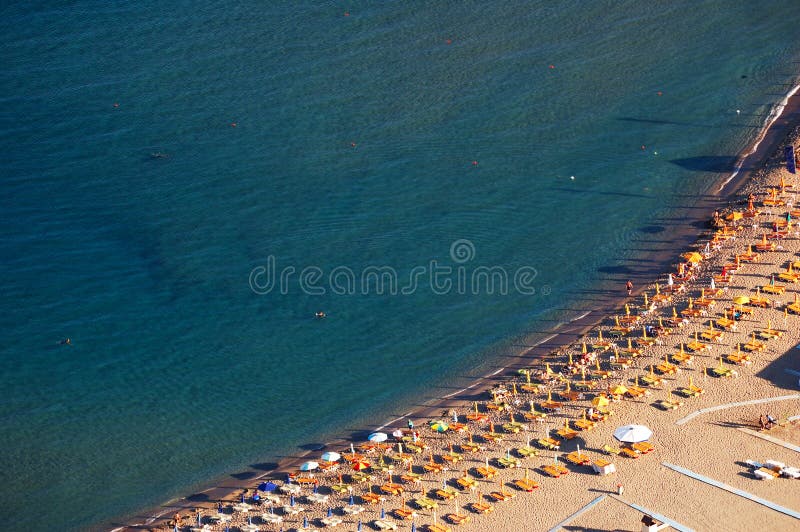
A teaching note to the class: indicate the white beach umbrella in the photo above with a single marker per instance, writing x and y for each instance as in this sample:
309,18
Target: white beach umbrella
377,437
398,433
309,466
633,433
331,456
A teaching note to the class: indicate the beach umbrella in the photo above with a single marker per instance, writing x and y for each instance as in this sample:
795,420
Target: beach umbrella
309,466
359,525
360,465
693,257
291,500
413,527
741,300
398,433
331,456
734,216
330,512
305,522
377,437
600,401
383,513
633,433
619,390
439,426
352,502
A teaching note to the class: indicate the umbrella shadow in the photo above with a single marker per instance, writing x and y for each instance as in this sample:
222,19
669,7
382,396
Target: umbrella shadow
265,466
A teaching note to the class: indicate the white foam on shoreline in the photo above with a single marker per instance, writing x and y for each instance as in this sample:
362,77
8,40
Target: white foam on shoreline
776,112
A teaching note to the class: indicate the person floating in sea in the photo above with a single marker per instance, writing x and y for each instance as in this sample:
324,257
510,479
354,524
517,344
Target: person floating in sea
629,287
319,314
65,341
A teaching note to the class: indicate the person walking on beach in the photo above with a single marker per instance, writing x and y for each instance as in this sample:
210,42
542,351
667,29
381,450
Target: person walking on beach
629,287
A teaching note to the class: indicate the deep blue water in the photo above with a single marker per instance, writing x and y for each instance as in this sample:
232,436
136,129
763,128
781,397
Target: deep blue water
353,147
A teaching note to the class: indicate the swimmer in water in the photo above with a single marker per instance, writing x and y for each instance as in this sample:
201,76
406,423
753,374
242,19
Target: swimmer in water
319,314
66,341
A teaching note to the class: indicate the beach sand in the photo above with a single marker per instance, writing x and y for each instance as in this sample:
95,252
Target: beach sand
715,443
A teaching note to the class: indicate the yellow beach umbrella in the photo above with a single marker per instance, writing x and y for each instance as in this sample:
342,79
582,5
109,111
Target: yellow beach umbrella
692,257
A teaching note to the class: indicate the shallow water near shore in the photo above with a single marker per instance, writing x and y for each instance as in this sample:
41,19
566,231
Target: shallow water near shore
393,137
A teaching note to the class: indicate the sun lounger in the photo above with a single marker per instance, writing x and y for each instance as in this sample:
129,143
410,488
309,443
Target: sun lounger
433,467
452,458
754,345
567,433
667,369
481,507
610,450
501,495
794,308
722,372
643,447
774,289
492,437
472,447
513,427
770,334
360,476
548,443
651,380
340,488
425,503
668,404
392,488
404,513
526,484
457,519
508,462
486,472
465,483
712,335
629,453
353,509
372,498
433,527
555,470
741,359
584,424
685,391
681,358
446,493
696,345
526,452
577,458
411,478
764,473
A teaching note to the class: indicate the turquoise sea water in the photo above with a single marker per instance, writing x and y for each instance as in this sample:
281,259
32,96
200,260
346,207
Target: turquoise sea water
178,372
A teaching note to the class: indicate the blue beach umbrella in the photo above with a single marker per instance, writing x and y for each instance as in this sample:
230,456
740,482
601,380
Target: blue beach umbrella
291,500
242,497
176,528
198,519
315,488
413,527
305,522
352,502
249,520
267,486
383,513
359,525
330,512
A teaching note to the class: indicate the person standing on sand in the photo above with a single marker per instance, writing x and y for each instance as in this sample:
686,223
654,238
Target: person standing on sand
629,287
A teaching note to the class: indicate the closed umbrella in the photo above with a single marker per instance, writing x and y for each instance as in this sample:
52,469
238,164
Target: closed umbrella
633,433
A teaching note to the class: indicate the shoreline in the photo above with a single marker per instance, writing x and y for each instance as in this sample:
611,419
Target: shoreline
684,234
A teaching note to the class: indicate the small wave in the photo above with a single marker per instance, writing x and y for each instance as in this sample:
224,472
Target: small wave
771,118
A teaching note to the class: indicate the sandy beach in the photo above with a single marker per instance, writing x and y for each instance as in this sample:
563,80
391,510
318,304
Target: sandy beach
707,431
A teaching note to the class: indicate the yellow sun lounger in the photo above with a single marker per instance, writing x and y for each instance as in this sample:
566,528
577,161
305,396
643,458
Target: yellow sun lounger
507,463
555,471
548,443
527,452
486,472
611,450
774,288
